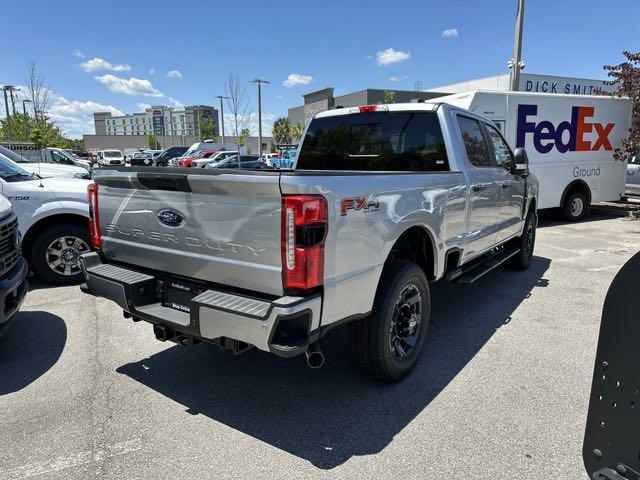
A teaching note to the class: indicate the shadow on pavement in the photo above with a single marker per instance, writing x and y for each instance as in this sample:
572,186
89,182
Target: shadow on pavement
28,348
327,416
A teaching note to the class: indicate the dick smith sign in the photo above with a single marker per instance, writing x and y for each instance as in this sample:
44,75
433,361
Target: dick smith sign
563,85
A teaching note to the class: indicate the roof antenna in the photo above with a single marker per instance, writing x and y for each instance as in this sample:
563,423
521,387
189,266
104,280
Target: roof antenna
39,171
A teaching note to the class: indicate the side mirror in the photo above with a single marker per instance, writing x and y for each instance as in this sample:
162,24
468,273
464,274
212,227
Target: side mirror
521,166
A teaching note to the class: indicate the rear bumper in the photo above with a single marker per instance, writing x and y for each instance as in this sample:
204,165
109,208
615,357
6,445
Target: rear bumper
284,326
13,289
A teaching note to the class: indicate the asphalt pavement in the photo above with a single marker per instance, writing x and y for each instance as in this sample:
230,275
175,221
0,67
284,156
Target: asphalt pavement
501,391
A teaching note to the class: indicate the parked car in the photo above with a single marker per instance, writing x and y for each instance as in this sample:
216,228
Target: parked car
52,155
52,216
44,169
268,158
632,186
141,159
411,194
242,161
284,159
210,145
187,159
168,154
209,159
83,155
13,268
570,140
110,157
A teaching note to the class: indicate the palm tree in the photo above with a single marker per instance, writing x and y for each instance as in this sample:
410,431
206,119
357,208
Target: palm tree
296,131
282,130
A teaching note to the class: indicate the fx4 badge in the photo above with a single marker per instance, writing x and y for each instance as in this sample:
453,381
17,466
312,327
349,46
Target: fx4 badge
358,203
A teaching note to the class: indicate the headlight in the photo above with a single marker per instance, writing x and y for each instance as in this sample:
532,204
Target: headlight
84,176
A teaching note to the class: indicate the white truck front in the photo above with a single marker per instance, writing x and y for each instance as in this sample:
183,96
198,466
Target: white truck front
52,215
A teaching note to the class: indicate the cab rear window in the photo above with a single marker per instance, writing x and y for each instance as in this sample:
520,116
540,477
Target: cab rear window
375,141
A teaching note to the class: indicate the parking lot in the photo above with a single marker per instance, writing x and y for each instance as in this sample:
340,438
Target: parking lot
500,393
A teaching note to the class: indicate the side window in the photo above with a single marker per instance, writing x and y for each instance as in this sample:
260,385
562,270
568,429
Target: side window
502,152
56,157
474,142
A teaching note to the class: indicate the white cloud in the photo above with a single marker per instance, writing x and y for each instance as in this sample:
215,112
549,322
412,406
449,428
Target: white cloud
74,117
152,71
175,103
397,78
77,53
96,64
174,74
296,79
142,106
450,32
389,56
129,86
251,123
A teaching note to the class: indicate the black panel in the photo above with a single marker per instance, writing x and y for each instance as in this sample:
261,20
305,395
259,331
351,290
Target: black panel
612,435
174,182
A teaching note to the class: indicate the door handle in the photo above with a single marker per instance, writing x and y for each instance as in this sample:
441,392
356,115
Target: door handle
505,185
478,188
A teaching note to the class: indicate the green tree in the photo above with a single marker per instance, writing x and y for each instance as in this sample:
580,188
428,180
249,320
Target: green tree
389,96
282,130
152,141
207,128
626,76
242,139
16,128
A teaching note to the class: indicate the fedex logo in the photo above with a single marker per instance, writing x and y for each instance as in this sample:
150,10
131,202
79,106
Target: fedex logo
546,135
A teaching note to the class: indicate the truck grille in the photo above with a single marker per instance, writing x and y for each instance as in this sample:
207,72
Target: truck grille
9,253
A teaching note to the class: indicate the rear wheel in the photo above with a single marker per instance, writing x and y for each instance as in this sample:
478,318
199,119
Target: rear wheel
56,252
576,206
388,344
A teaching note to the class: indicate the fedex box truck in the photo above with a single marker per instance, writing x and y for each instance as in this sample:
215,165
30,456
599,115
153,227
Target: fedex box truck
570,141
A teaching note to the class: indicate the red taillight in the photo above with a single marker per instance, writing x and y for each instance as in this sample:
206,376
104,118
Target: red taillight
304,229
94,221
367,108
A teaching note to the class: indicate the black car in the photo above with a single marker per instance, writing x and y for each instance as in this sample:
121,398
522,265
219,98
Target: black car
167,154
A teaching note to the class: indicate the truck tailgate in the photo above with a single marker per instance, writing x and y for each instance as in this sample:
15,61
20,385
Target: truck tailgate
216,226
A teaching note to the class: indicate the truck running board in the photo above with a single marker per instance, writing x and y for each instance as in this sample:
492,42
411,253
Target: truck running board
477,269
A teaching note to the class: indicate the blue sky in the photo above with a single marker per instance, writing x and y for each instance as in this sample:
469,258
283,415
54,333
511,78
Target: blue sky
118,55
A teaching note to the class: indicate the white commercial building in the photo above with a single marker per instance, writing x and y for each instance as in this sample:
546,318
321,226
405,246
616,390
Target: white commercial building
530,82
158,119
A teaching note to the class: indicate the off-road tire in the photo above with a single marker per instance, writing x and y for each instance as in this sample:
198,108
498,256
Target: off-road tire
370,338
526,242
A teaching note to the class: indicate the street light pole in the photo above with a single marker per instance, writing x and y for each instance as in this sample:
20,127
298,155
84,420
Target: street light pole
516,63
259,82
221,97
6,106
24,113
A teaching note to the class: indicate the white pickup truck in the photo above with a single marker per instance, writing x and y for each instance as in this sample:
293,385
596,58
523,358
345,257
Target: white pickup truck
381,201
52,216
44,169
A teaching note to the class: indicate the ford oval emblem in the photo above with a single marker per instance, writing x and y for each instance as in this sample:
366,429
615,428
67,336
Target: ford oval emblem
170,218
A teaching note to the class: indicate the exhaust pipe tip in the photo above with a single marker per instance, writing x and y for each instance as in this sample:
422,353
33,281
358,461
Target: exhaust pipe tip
315,357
